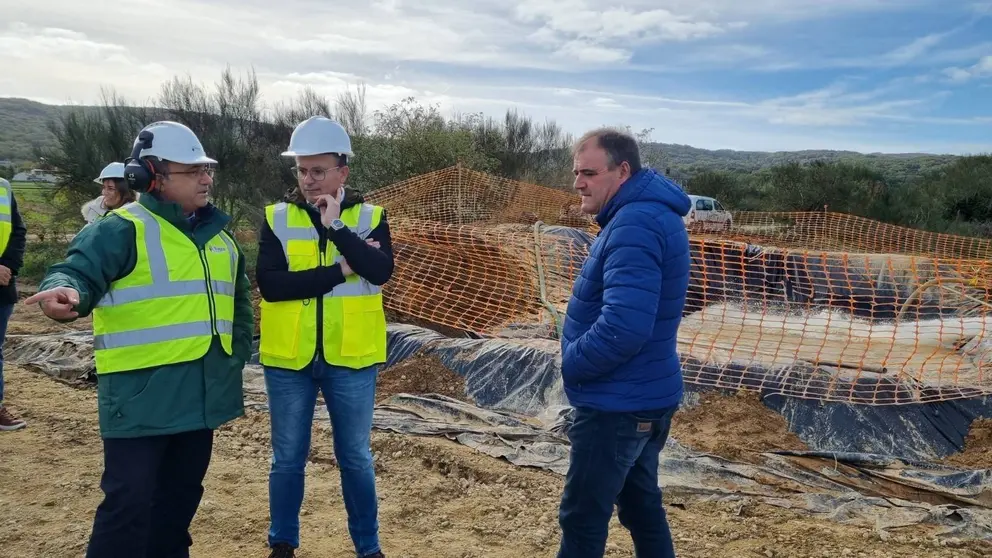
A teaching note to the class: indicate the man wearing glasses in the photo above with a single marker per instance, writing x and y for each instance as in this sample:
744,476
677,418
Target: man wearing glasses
172,330
323,256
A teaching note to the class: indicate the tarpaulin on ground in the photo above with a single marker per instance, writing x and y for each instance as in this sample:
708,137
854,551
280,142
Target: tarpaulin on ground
523,376
856,488
871,464
868,285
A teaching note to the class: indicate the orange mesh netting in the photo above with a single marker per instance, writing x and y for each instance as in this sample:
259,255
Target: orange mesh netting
815,305
850,233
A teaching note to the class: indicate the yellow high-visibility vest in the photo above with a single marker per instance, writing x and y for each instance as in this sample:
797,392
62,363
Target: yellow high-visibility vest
6,215
169,308
353,322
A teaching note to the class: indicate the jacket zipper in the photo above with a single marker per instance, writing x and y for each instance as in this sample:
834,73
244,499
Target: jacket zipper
321,246
210,294
213,320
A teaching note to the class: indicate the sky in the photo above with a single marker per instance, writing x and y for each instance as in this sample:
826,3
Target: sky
765,75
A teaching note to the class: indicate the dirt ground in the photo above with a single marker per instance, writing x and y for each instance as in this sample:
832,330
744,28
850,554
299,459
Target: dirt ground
421,374
735,427
977,447
438,498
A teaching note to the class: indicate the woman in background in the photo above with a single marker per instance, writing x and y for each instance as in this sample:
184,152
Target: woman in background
115,193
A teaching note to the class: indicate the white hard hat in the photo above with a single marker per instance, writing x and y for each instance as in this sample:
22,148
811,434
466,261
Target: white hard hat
318,135
177,143
113,170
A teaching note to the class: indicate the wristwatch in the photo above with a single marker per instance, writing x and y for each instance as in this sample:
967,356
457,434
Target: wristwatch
337,224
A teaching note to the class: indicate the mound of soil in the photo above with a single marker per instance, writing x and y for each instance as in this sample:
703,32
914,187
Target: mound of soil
735,427
418,375
977,452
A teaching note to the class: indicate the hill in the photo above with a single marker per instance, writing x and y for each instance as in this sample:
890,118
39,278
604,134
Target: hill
23,126
686,160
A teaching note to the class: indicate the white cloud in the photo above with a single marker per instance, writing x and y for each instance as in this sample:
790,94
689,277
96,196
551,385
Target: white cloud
50,62
62,49
333,84
579,19
918,52
982,8
983,68
584,51
23,42
605,103
914,50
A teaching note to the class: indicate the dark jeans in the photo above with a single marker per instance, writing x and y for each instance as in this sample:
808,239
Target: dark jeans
5,311
614,460
152,488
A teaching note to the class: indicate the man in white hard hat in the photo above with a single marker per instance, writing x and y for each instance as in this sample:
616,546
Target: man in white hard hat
323,256
13,236
172,325
115,193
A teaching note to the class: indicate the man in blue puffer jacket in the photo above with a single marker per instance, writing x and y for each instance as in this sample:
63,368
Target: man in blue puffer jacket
620,364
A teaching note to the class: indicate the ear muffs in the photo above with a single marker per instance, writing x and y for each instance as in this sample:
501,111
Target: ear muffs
140,174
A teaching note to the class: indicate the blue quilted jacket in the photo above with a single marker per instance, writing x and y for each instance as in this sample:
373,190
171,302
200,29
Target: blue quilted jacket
618,344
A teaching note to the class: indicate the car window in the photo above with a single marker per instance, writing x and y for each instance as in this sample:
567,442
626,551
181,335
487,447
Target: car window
718,207
704,205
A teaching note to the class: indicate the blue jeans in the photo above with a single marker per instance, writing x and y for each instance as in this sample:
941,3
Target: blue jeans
614,460
350,398
5,312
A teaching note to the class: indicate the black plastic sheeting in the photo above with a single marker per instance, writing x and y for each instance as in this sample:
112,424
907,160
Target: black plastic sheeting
524,377
869,465
725,271
506,375
735,271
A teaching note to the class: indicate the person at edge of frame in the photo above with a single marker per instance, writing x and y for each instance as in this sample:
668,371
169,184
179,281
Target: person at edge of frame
13,238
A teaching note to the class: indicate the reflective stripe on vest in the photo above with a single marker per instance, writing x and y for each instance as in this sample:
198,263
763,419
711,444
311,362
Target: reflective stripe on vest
156,302
159,334
285,233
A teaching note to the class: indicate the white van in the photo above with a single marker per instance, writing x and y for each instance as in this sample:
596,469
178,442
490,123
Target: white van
707,215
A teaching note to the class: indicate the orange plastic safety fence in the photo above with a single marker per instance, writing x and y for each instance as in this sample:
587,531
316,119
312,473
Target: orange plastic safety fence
844,232
814,305
460,196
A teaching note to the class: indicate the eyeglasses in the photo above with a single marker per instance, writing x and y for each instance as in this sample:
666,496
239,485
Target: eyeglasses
317,174
198,172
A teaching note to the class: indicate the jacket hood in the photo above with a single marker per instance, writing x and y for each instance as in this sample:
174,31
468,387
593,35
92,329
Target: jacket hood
647,185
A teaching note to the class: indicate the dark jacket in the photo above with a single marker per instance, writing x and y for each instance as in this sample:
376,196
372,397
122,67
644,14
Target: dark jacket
13,256
190,396
619,340
276,283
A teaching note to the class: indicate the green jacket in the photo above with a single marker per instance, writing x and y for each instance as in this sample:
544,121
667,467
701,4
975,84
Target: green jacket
176,398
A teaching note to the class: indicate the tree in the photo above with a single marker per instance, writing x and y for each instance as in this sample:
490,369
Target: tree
408,138
85,142
522,149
